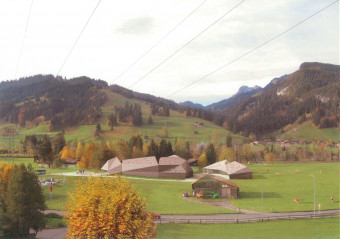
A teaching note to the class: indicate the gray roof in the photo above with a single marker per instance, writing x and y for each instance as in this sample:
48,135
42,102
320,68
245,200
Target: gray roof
229,168
138,163
111,164
171,160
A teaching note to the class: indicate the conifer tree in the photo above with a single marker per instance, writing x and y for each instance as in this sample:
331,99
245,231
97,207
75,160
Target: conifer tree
24,202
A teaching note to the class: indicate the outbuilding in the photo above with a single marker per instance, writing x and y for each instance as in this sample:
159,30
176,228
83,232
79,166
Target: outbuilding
211,184
233,170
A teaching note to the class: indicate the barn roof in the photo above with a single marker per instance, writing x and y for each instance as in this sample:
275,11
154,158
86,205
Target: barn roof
217,178
171,160
229,168
138,163
236,167
111,164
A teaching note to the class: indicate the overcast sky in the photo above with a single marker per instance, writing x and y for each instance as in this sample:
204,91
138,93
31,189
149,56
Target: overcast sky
121,31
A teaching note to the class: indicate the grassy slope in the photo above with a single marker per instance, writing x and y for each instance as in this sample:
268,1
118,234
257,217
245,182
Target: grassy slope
299,229
178,126
308,131
293,181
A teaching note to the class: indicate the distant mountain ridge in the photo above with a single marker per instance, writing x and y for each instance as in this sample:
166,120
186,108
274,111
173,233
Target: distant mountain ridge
191,104
314,88
243,93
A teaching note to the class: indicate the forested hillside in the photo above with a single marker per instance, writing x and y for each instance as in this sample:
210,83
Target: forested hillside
314,88
62,102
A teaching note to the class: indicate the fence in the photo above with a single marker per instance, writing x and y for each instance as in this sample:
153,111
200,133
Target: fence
243,220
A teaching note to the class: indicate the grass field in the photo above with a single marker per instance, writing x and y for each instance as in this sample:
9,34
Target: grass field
162,197
299,229
285,181
281,184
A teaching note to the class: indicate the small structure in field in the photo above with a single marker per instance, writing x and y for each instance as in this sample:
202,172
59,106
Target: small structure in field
112,166
233,170
210,185
70,163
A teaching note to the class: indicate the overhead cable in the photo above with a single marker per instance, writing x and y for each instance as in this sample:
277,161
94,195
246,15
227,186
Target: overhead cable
23,41
186,44
254,49
158,42
75,43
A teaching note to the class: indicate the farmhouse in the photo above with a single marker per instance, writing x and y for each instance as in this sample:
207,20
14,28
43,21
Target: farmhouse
112,166
168,167
233,170
208,184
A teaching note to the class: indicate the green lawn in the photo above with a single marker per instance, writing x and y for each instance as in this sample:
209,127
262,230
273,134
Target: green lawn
281,184
285,181
162,197
299,229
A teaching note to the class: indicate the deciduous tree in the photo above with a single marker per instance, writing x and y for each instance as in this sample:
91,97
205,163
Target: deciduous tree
108,208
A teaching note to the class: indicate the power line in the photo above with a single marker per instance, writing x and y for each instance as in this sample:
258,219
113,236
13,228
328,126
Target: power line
75,43
186,44
254,49
23,41
157,43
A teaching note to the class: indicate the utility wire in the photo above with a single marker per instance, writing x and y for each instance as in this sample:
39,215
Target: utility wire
186,44
254,49
23,41
75,43
157,43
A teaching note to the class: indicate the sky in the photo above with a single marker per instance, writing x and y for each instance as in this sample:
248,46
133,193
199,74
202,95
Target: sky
120,32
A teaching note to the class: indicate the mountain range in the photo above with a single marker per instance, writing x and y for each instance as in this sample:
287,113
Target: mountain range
313,89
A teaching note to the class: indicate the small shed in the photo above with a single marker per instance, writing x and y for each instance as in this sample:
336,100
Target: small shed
214,184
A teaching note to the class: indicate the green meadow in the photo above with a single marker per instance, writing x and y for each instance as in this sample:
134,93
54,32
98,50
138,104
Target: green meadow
292,229
282,182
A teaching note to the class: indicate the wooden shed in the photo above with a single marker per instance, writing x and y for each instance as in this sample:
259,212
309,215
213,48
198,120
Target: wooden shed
208,184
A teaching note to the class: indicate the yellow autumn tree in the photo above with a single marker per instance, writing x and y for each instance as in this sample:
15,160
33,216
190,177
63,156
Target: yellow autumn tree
108,208
269,157
67,153
202,161
86,156
79,150
227,154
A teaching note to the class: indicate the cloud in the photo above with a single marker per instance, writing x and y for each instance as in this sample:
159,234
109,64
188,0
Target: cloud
137,26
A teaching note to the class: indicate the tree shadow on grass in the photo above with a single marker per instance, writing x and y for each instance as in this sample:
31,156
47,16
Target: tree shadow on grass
259,195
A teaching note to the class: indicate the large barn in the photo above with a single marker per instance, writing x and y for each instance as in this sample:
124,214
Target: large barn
168,167
215,184
174,167
146,167
233,170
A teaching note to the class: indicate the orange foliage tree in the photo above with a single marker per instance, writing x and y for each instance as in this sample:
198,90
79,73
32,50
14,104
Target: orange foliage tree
67,153
108,208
